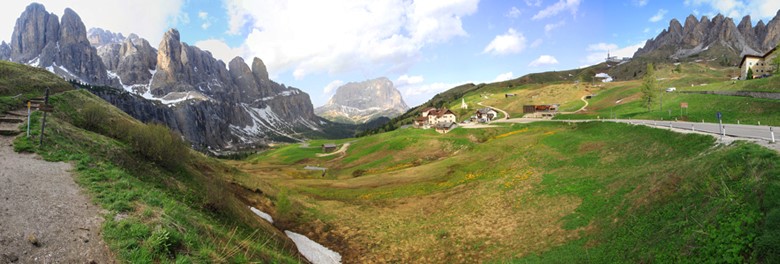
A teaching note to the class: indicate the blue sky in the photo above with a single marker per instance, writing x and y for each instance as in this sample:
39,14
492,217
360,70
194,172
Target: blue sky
424,47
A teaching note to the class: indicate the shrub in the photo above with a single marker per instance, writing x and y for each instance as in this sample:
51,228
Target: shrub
358,173
158,144
93,118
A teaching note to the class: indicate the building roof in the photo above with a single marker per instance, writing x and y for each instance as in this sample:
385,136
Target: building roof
443,112
329,145
756,56
485,110
445,125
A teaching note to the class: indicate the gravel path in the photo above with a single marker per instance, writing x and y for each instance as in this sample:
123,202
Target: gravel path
44,216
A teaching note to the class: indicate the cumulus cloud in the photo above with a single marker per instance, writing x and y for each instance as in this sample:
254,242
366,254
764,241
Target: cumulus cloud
221,50
533,3
332,86
514,12
326,36
404,80
543,60
120,16
206,19
598,52
511,42
602,47
658,16
550,27
757,9
431,88
562,5
504,77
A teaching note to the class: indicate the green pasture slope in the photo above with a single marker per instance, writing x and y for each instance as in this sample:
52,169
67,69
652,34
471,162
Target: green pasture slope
647,195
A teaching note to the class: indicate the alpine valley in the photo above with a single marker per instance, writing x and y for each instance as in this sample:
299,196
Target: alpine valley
216,107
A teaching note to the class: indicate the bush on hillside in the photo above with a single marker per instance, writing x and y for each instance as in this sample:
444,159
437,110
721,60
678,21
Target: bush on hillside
93,118
158,144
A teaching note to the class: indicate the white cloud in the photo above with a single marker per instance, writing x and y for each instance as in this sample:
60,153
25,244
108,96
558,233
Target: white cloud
504,77
598,52
204,17
119,16
757,9
533,3
562,5
514,12
537,43
221,50
404,80
511,42
658,16
602,47
431,88
332,86
345,35
543,60
550,27
640,2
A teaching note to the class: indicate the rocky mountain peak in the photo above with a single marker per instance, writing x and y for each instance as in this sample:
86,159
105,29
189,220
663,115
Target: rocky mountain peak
690,23
5,51
359,102
675,26
40,39
259,69
719,38
100,37
72,29
745,23
34,29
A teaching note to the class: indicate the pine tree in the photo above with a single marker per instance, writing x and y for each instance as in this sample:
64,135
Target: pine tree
648,87
749,74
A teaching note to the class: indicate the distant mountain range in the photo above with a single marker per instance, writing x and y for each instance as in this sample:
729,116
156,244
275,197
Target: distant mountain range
215,106
360,102
718,38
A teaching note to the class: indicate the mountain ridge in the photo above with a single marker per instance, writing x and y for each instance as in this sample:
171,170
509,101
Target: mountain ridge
360,102
719,37
216,106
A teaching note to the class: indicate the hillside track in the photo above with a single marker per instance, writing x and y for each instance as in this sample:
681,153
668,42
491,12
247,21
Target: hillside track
44,216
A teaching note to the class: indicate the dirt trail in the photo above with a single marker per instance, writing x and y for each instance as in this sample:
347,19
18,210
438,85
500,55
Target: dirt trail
341,150
44,216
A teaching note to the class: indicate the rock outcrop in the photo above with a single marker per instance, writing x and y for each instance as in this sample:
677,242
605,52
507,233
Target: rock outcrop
5,51
215,106
719,38
100,37
360,102
40,39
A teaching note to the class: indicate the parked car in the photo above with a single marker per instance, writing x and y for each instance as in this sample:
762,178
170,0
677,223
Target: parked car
671,89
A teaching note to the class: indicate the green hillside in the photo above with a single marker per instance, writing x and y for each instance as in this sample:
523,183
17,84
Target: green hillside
165,202
19,83
542,192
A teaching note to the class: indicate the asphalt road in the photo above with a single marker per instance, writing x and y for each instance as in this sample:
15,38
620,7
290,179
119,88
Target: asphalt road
732,130
758,134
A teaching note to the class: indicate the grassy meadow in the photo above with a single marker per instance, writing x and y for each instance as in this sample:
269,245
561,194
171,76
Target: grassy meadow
542,192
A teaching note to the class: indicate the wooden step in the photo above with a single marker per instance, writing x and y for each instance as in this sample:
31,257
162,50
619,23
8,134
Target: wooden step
12,113
10,120
9,132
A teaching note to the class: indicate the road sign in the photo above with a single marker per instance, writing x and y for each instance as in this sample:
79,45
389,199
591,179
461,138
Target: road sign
46,108
684,105
719,116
